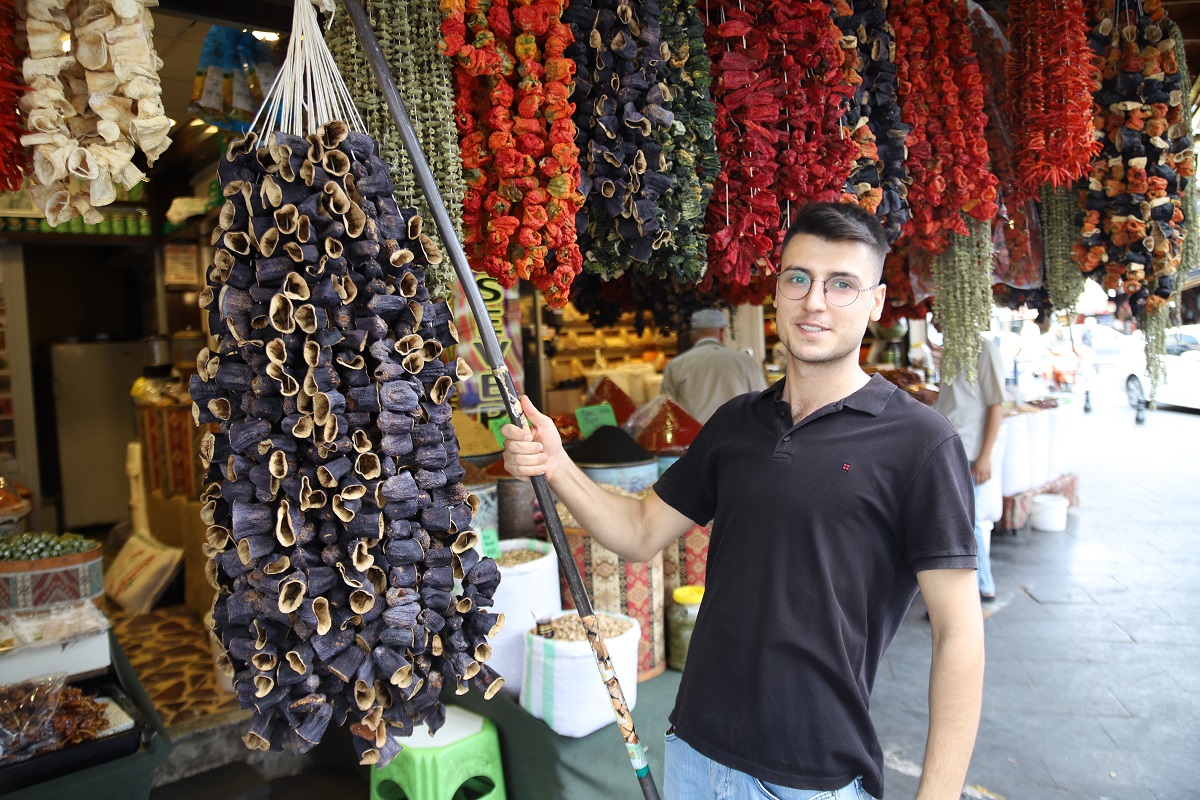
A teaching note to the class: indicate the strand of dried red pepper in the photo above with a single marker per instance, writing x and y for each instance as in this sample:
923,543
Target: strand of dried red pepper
1050,80
940,88
11,89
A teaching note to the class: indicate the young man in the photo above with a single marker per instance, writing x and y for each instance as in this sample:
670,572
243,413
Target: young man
834,497
709,374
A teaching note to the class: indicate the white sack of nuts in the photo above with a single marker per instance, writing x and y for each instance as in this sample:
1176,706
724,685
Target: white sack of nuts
89,109
339,527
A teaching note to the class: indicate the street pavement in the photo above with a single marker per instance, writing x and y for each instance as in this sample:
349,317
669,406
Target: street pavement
1093,643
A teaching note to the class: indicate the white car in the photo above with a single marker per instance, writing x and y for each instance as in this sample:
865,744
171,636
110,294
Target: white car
1182,361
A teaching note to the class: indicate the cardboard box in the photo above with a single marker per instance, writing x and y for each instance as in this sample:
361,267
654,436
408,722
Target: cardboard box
563,401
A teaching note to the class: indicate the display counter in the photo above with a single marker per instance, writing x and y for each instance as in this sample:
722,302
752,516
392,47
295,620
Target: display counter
540,763
1034,455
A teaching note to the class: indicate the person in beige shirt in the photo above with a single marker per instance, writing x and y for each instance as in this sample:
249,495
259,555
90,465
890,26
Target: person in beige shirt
710,374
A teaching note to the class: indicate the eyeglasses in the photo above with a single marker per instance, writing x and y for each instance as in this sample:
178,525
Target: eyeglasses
795,285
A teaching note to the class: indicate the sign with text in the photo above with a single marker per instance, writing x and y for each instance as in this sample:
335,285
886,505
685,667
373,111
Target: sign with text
592,417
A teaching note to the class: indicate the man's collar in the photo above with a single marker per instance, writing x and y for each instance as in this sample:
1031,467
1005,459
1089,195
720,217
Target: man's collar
704,339
870,399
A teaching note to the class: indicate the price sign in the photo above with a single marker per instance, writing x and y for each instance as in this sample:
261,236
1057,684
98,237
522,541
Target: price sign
592,417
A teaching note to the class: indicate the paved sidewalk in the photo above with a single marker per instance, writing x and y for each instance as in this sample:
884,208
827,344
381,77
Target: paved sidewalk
1093,643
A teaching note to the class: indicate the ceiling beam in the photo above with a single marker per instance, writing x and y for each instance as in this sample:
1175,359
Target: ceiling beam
264,15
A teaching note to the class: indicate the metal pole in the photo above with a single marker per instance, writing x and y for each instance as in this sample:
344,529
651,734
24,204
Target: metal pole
504,380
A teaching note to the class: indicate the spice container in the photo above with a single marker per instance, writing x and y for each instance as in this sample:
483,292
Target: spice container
681,619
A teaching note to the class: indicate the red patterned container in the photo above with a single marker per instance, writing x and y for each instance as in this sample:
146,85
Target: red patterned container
621,587
50,581
685,559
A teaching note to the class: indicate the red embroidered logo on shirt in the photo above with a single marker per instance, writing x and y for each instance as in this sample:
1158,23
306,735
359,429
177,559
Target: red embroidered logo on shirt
845,467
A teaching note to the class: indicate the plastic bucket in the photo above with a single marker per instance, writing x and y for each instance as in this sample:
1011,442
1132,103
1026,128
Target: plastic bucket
1049,512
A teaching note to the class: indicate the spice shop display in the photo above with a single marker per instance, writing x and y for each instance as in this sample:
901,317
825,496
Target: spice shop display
87,111
520,160
408,33
338,524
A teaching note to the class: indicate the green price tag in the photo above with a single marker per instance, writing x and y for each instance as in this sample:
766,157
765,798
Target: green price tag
495,425
592,417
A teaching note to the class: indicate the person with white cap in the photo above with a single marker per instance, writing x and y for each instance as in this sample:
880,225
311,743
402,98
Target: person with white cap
710,374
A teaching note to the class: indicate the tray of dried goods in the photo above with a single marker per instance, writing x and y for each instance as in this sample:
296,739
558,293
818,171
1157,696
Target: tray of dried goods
45,569
49,728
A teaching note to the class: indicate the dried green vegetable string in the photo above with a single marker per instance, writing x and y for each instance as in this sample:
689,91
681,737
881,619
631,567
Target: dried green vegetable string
1154,328
408,34
689,146
1064,281
962,298
1191,218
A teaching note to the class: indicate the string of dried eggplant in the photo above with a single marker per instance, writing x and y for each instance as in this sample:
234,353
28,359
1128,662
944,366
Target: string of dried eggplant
338,525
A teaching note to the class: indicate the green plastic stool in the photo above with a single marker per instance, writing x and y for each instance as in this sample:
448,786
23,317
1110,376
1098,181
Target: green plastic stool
460,762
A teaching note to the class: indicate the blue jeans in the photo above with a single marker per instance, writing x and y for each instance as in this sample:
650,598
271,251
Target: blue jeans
983,544
691,776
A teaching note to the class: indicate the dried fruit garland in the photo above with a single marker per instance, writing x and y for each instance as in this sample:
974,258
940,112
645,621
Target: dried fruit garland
780,87
1048,100
620,109
940,89
11,89
520,160
879,179
408,33
337,520
1132,235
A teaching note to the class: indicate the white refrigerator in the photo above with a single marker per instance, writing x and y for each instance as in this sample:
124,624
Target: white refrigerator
96,420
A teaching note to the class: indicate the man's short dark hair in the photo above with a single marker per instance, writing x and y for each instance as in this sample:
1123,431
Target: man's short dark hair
840,222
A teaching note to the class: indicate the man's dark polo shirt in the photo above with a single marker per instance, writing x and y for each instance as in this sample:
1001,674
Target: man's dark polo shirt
819,529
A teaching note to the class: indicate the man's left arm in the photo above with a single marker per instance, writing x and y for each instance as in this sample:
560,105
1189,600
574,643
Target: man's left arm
981,469
955,679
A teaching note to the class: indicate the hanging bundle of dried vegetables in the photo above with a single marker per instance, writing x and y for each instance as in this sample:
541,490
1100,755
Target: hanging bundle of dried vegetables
1049,95
689,148
879,179
408,34
905,271
962,301
1015,230
520,161
89,110
941,96
1060,232
1132,236
780,85
350,589
1191,198
11,89
818,74
621,107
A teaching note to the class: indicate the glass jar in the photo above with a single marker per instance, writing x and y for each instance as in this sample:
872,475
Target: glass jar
681,619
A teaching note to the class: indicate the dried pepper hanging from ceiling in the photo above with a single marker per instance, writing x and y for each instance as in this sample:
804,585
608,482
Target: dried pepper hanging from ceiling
621,107
941,96
1050,76
879,179
520,161
1016,232
780,87
408,33
1132,236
